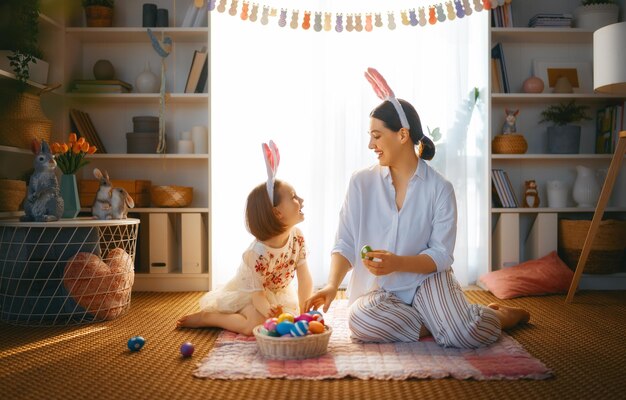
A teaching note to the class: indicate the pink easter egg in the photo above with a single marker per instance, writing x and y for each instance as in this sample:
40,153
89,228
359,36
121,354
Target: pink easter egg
270,324
304,317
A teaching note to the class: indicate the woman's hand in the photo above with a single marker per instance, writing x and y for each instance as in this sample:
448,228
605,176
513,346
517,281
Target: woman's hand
322,297
381,262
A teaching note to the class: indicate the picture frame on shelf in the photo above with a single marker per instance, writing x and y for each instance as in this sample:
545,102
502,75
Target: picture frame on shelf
578,73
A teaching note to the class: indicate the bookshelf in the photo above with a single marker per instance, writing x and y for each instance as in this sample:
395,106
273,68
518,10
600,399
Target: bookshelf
71,49
528,227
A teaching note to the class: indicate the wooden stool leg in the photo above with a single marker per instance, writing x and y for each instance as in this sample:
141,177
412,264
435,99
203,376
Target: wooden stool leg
607,188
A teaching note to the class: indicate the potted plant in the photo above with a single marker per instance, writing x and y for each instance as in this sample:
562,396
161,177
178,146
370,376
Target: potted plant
594,14
19,42
563,137
99,13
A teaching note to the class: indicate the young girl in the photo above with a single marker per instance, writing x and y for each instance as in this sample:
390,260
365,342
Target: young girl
262,287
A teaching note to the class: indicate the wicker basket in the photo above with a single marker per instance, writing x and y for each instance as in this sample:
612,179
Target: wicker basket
171,196
22,119
607,251
511,143
12,193
99,16
292,348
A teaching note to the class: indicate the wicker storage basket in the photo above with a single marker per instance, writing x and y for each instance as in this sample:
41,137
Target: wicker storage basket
607,251
509,144
12,192
292,348
22,119
171,196
99,16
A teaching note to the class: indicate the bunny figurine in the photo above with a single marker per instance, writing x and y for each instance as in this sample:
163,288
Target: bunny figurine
43,202
120,203
509,122
101,208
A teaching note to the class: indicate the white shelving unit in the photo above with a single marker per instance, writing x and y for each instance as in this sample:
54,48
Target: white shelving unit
521,46
72,49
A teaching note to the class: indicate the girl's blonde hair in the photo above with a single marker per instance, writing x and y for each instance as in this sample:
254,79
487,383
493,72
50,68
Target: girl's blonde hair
261,220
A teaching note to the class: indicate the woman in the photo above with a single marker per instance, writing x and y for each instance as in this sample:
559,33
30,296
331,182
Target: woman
402,205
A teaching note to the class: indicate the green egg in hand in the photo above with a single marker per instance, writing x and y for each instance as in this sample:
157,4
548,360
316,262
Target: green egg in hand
364,250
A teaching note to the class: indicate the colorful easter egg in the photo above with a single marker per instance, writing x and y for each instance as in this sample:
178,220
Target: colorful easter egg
187,349
300,328
284,327
270,324
136,343
366,249
303,317
317,316
316,327
285,317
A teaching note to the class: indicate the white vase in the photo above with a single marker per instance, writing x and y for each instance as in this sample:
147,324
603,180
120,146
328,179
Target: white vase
147,81
586,187
557,194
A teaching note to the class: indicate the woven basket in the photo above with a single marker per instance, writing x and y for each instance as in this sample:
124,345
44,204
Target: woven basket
607,251
99,16
12,192
292,348
509,144
22,119
171,196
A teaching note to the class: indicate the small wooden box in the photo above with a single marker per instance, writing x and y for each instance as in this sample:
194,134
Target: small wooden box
139,190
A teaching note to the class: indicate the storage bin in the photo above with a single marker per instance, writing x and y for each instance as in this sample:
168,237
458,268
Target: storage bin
145,124
139,190
142,142
607,251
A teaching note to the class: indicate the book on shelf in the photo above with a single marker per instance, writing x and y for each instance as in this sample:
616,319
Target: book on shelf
502,190
609,122
509,189
101,86
496,78
502,17
81,124
547,20
497,53
198,68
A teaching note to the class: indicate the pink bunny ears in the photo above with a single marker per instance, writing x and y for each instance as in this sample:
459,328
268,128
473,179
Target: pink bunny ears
272,159
384,92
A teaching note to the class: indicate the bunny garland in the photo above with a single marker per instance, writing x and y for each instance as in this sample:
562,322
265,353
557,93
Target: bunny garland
272,159
384,92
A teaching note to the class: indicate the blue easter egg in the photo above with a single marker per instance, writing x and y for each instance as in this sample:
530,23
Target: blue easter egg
313,312
186,349
136,343
300,328
284,327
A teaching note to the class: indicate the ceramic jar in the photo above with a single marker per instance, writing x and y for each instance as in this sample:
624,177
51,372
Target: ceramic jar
586,187
147,81
557,194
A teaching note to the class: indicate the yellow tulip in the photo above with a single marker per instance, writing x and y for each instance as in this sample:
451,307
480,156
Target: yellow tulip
72,138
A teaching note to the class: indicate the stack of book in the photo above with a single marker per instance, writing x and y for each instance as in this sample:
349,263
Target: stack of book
502,17
610,121
551,20
503,193
101,86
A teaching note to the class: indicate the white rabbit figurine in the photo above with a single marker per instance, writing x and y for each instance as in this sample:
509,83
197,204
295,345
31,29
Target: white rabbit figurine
101,207
121,201
43,203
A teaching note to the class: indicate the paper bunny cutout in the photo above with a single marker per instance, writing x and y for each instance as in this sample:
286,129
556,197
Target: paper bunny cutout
272,159
384,92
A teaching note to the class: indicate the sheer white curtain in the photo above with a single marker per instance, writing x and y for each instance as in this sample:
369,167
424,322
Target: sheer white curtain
306,91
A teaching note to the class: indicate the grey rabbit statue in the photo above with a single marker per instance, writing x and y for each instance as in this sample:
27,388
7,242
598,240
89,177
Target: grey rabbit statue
101,207
509,122
43,202
121,201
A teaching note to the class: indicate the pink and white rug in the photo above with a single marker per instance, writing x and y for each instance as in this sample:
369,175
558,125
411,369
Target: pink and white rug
237,357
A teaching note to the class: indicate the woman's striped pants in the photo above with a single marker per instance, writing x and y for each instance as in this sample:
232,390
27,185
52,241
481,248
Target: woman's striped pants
439,305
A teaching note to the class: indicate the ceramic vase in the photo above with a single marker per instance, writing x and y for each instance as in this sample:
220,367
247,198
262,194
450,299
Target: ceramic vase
69,193
586,187
147,81
557,194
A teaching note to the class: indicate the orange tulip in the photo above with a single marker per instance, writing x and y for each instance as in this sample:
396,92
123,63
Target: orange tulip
76,148
72,138
65,147
80,141
85,146
92,149
56,148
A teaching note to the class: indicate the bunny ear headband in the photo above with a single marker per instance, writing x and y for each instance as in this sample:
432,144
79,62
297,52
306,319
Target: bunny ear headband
272,159
384,92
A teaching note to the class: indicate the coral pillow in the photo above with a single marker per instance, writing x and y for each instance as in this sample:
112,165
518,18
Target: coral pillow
545,275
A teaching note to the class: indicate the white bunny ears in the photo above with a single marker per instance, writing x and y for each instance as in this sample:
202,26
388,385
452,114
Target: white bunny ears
272,159
384,92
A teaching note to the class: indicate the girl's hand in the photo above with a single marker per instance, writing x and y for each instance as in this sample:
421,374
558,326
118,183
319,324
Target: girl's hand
275,310
323,297
381,262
